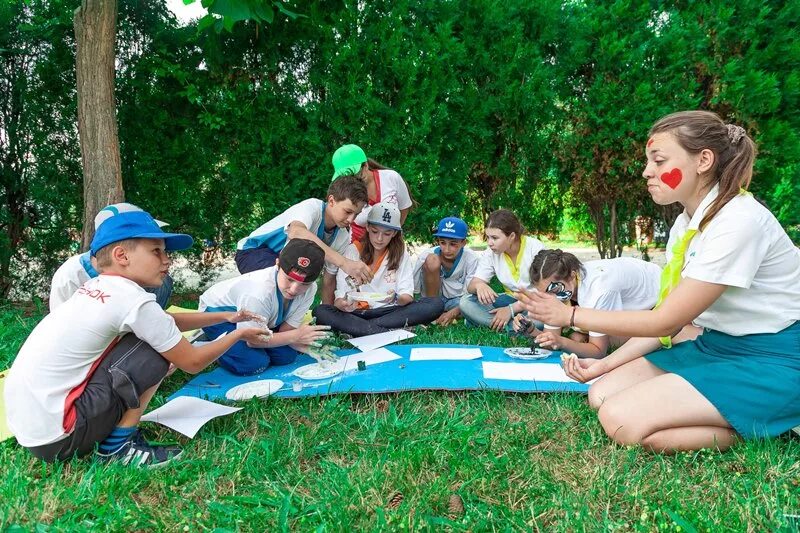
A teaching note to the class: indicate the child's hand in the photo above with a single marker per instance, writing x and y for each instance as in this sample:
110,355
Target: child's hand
550,340
254,336
308,335
582,370
346,305
485,294
501,317
448,317
243,315
358,270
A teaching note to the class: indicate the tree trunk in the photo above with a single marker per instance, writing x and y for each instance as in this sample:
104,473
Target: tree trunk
95,25
612,247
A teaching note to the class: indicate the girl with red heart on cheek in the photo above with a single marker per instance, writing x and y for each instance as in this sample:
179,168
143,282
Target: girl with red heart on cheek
733,272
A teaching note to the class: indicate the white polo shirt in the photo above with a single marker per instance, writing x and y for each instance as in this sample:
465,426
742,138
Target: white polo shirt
455,281
61,353
745,248
401,280
513,275
311,213
73,273
391,188
619,284
258,292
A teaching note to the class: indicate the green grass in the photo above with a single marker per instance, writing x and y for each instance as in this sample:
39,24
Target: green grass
518,462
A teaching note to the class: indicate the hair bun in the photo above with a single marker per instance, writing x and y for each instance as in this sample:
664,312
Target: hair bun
735,133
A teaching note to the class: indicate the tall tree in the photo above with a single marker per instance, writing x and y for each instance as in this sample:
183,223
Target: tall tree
95,36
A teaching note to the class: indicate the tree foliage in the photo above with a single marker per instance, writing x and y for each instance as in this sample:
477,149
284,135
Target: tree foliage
537,106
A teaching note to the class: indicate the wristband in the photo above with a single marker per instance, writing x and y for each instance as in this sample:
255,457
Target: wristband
572,318
511,308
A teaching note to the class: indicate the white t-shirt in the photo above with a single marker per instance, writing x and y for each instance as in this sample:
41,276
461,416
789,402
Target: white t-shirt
258,292
391,188
621,284
745,248
512,276
401,280
311,213
73,273
455,282
62,351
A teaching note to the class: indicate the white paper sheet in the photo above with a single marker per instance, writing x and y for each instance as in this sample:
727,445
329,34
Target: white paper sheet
440,354
187,415
372,357
370,342
525,372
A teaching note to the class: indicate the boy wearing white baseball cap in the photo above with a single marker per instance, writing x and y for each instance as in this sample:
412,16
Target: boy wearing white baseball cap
386,302
79,269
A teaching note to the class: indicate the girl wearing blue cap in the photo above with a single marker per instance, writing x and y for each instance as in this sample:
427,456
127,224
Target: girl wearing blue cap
383,184
387,302
731,270
445,270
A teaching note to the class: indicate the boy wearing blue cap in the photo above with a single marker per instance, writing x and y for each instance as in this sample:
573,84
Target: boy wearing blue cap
445,270
86,373
79,269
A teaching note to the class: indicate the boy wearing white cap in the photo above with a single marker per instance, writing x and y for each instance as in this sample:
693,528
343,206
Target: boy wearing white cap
387,302
445,270
79,269
87,371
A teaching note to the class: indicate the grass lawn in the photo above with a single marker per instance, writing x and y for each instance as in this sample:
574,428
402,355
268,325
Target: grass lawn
402,462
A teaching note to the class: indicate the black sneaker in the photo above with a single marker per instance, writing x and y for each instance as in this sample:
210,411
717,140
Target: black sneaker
136,451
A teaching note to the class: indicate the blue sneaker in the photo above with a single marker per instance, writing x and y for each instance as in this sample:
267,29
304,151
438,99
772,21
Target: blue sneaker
136,451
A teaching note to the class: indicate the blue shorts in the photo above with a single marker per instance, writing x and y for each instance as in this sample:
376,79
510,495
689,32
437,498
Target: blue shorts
242,360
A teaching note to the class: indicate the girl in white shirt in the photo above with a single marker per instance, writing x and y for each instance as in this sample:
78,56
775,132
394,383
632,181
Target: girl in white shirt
733,271
508,258
383,184
386,302
617,284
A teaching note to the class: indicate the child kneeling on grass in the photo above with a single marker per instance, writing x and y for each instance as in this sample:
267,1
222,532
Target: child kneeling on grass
445,271
86,373
282,294
620,284
384,250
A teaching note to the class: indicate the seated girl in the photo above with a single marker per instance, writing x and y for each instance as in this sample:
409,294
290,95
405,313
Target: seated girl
617,284
509,258
731,270
387,302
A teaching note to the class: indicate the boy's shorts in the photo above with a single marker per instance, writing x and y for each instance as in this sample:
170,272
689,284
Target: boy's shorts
129,369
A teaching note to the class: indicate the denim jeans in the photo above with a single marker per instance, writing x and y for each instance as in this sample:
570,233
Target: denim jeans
370,321
477,314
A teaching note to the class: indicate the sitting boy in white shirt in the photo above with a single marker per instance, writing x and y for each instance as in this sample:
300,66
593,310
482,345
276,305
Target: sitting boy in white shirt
446,270
79,269
87,371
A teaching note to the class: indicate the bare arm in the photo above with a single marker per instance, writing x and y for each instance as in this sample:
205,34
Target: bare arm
328,287
190,321
193,359
689,299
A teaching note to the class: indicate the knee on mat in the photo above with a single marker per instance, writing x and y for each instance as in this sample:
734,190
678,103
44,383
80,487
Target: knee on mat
618,424
432,264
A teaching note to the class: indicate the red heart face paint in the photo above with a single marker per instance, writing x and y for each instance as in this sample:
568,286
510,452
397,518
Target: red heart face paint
672,178
649,142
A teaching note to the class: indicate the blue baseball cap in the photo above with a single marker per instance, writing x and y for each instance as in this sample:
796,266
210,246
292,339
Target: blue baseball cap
136,225
451,228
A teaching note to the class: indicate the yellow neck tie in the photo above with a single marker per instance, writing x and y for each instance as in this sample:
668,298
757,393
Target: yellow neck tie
671,275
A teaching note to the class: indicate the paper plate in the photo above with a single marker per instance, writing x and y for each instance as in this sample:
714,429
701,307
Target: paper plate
254,389
371,297
317,371
527,354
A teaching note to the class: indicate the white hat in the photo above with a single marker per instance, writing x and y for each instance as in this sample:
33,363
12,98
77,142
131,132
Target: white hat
385,214
115,209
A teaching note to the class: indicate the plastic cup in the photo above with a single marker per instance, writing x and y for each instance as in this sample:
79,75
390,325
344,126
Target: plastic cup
297,386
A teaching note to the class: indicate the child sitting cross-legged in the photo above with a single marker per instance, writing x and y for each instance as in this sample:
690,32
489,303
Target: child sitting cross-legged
387,302
282,295
86,373
445,270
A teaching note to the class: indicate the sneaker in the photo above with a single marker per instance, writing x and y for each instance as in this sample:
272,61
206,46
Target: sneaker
136,451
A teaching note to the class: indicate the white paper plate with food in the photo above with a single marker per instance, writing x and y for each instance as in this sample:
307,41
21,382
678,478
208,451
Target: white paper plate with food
527,354
255,389
318,371
369,297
